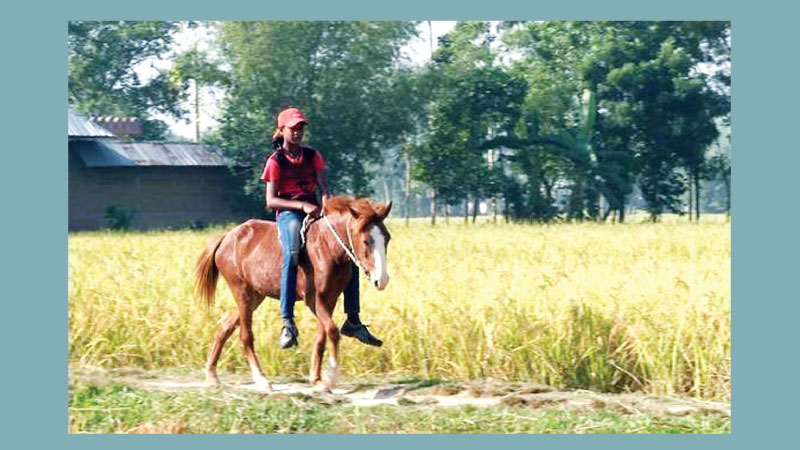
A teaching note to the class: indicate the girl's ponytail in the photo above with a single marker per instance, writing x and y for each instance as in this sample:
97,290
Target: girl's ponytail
277,139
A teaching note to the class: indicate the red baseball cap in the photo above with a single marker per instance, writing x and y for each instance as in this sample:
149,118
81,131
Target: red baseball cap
290,117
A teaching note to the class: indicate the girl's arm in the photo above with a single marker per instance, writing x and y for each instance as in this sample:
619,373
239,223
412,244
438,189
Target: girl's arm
275,202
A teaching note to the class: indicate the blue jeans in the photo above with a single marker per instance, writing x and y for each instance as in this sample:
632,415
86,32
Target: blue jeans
289,223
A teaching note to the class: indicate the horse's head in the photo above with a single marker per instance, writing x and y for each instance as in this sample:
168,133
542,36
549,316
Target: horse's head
369,235
371,239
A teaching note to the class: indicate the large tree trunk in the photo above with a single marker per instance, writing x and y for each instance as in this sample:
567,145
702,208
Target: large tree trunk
408,184
387,193
434,205
727,182
475,205
576,201
691,195
697,195
607,213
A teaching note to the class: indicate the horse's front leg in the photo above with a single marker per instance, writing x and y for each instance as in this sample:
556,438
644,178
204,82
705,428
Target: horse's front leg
312,298
332,331
326,328
315,378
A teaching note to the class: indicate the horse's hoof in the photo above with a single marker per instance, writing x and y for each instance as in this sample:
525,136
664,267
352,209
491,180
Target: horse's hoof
263,385
212,380
320,386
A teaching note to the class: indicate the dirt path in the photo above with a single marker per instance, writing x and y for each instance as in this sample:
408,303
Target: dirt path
434,394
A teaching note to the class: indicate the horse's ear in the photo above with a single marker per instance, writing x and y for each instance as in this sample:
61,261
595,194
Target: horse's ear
353,211
382,210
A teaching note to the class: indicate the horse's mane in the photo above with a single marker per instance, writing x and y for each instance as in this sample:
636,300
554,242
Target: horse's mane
344,205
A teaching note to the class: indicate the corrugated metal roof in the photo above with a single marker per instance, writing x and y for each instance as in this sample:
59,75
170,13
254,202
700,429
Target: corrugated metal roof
116,154
79,126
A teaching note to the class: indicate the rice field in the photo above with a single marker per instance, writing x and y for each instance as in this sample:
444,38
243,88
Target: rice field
607,307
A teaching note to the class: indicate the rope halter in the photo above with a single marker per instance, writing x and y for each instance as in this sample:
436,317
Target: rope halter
350,251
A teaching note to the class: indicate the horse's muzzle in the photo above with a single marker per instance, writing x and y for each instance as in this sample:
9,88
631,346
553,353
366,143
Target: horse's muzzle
380,283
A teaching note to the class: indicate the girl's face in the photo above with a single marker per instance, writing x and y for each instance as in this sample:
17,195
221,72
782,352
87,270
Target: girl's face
294,135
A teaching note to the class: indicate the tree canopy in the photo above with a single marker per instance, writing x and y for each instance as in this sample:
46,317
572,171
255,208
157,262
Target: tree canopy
102,80
553,119
344,77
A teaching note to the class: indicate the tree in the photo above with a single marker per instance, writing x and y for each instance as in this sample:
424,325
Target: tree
473,100
654,110
561,107
101,74
195,68
341,74
672,113
718,166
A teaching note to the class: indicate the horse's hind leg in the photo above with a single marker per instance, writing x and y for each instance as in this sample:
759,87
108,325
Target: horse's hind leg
223,333
248,302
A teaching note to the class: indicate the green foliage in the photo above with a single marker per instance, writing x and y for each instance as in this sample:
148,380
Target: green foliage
575,114
102,79
119,218
472,101
654,113
344,77
194,64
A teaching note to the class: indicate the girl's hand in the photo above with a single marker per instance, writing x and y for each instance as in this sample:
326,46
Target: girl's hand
311,209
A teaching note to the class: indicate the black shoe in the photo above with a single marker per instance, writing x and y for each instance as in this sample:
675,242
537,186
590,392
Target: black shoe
360,332
289,335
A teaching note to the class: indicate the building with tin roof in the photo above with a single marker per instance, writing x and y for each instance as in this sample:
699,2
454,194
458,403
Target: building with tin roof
150,184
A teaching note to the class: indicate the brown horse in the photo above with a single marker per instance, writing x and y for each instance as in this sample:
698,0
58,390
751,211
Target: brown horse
249,258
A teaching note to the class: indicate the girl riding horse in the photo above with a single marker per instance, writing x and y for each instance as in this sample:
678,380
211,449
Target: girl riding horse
293,173
248,257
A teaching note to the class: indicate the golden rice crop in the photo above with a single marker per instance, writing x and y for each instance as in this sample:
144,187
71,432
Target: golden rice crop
634,306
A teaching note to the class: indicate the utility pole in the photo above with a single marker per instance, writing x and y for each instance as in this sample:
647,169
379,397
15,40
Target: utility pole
196,111
430,41
435,195
490,156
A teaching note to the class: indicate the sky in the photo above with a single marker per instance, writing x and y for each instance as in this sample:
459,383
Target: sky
418,51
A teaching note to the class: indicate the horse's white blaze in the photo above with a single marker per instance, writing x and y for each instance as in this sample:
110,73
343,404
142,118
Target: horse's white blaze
379,276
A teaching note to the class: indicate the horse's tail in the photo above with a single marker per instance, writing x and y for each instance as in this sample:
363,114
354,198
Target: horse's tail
206,274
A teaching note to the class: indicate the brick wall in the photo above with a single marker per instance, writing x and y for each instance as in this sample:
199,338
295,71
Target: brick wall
162,197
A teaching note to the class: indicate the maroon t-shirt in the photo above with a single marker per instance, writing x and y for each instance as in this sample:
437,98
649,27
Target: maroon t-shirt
296,178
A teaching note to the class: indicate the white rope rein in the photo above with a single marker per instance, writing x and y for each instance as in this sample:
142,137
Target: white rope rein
308,220
350,253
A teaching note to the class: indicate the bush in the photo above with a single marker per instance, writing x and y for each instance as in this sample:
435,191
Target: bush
119,218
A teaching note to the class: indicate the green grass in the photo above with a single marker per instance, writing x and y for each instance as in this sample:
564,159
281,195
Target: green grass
117,408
